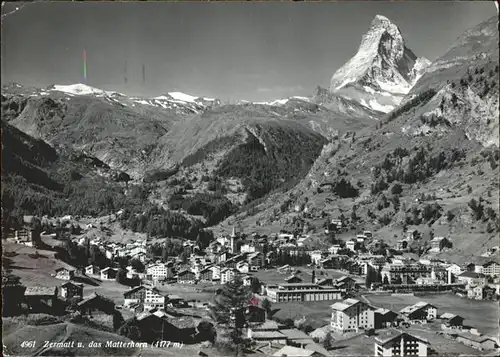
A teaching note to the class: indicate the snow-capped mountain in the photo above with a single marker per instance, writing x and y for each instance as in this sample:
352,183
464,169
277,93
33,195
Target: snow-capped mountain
83,89
382,71
345,105
176,101
284,101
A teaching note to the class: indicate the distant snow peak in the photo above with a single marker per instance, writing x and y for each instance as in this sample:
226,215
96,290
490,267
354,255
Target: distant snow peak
182,96
282,101
83,89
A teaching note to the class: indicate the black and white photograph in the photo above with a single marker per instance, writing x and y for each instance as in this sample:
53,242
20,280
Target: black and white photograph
250,178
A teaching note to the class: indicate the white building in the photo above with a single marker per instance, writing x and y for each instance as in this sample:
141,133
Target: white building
157,271
243,267
397,343
216,270
334,249
351,315
471,278
316,256
227,275
137,250
455,269
351,245
154,299
490,268
248,248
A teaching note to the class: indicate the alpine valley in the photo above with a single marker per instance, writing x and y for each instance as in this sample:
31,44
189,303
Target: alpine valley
394,143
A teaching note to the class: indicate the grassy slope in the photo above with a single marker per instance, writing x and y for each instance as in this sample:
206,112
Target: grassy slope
482,38
115,134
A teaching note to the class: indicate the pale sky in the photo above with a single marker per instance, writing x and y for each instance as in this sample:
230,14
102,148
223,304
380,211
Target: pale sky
252,51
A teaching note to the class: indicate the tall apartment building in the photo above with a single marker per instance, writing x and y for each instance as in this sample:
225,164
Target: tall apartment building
351,315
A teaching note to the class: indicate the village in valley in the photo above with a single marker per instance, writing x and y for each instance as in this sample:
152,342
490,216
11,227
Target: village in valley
270,295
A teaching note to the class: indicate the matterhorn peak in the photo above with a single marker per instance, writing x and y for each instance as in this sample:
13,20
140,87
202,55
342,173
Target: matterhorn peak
381,21
382,71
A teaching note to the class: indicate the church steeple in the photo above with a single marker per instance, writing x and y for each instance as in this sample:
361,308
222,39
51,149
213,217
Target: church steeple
234,238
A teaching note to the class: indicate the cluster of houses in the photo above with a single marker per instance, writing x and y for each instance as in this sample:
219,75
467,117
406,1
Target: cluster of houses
54,300
135,250
229,256
352,315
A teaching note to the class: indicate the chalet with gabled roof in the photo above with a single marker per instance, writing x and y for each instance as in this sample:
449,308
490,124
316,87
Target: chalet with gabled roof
40,299
96,304
293,279
471,278
419,312
325,282
206,275
227,275
451,321
256,260
393,342
345,283
267,332
65,273
71,290
186,277
385,318
243,267
134,296
109,273
92,270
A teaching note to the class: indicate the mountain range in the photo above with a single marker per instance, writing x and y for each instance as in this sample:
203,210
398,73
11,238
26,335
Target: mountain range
388,118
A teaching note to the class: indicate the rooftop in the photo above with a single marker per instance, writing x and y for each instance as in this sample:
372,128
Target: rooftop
295,334
108,268
471,274
63,268
437,239
70,283
290,351
412,308
133,290
144,315
383,311
341,306
391,334
39,291
88,298
264,335
448,316
475,338
268,325
290,285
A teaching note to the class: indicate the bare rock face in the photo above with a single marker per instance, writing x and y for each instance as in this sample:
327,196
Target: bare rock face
382,71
